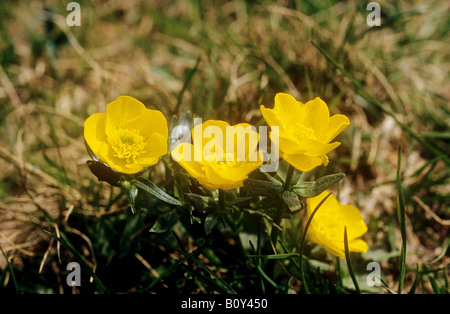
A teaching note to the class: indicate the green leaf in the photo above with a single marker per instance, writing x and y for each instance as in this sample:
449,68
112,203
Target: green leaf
199,201
239,200
132,192
263,188
154,190
211,221
310,189
165,222
291,200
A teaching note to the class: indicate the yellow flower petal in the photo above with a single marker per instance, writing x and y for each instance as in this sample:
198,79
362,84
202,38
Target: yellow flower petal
94,131
128,137
220,167
245,139
288,109
107,156
358,245
305,130
183,153
353,220
156,146
335,247
316,148
328,225
336,125
302,162
122,112
272,118
150,122
290,146
217,179
317,116
331,202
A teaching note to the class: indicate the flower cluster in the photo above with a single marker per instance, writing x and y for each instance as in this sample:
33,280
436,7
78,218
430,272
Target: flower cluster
128,138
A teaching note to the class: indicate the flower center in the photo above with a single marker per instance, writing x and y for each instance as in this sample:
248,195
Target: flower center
300,132
226,164
127,143
223,164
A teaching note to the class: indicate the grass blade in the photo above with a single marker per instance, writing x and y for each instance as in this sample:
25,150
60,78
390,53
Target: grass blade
186,84
446,245
274,256
170,269
364,93
349,262
434,284
219,281
414,285
11,271
402,220
264,275
65,242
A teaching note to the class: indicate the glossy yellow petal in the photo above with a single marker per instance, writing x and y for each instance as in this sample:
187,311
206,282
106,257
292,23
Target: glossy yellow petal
245,139
107,155
156,146
302,162
220,167
216,181
122,112
325,160
272,118
317,116
329,205
288,109
335,247
316,148
305,130
358,245
336,125
210,130
328,225
128,137
289,146
94,131
183,153
229,178
356,226
150,122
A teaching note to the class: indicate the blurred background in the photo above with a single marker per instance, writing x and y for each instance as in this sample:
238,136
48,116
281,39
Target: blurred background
221,60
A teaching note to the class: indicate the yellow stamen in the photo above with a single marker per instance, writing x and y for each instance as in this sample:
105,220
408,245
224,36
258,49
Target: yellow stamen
301,132
127,143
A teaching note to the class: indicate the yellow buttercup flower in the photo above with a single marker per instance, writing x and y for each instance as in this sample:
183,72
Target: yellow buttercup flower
328,224
220,156
305,130
128,137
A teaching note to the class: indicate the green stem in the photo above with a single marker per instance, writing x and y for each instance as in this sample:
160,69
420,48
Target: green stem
289,175
277,220
229,220
221,199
